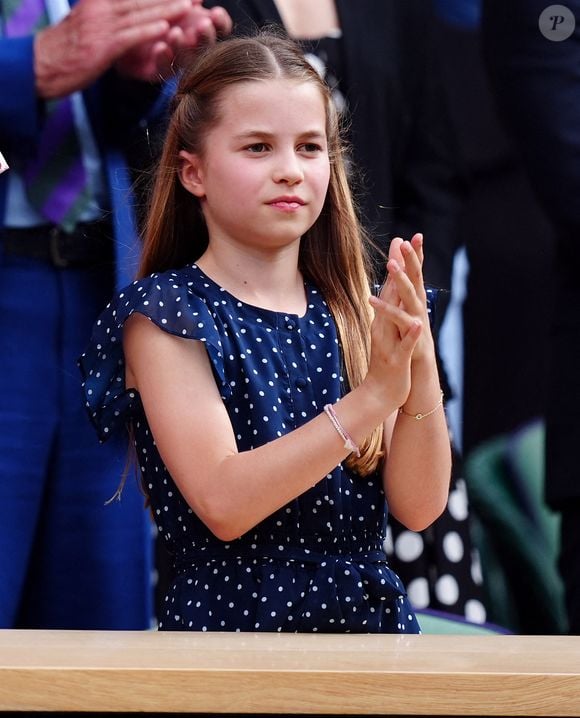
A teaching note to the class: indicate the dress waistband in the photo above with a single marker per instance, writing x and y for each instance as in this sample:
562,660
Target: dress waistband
277,553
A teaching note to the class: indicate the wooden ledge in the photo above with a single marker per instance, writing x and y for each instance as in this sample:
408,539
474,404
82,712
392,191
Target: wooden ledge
91,671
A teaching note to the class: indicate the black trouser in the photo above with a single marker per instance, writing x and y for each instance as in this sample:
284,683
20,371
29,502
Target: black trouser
562,420
569,563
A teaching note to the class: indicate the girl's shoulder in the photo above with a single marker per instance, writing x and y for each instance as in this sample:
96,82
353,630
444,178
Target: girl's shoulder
177,302
188,280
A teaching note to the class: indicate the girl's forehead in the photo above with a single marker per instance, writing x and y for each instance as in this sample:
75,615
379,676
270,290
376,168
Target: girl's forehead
276,92
274,105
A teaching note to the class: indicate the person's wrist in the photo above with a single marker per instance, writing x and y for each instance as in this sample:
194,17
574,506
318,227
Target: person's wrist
424,413
376,399
43,64
424,352
59,67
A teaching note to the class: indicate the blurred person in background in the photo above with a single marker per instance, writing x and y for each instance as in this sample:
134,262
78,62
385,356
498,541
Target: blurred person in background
532,50
76,86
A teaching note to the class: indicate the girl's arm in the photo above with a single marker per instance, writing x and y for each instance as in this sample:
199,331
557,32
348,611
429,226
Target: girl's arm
232,491
417,469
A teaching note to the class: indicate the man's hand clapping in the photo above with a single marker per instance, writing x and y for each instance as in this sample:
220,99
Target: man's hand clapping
139,37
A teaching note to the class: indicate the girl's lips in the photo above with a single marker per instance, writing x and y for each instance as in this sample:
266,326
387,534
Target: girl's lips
283,204
287,203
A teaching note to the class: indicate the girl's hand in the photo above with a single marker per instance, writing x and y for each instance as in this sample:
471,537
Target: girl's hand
413,256
394,335
409,255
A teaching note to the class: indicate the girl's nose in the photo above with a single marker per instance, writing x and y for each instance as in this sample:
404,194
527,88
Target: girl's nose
288,170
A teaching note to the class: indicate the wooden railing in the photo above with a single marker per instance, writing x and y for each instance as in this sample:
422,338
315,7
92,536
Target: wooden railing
227,673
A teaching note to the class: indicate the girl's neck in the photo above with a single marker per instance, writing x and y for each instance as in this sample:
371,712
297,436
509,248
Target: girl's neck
270,283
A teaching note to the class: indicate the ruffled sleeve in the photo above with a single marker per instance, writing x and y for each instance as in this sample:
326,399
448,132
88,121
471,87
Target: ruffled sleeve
172,303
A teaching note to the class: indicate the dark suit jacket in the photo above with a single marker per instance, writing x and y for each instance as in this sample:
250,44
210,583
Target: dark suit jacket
115,107
537,87
400,132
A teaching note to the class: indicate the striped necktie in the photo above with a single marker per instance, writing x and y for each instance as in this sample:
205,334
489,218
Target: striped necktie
54,176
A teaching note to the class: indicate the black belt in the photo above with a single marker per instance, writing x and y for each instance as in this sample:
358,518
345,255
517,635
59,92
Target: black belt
89,244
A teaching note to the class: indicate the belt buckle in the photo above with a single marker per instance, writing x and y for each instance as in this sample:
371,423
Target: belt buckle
57,258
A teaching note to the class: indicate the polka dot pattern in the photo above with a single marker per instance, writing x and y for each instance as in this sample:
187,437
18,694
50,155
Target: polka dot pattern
409,545
318,563
439,565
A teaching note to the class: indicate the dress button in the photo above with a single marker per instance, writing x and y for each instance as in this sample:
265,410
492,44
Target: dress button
290,326
301,382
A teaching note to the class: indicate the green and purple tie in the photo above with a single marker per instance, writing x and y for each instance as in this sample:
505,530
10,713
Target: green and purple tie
54,177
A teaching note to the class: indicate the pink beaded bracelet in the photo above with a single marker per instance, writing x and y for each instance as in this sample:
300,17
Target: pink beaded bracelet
345,436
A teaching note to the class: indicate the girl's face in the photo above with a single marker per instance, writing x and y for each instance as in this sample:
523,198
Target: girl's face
263,175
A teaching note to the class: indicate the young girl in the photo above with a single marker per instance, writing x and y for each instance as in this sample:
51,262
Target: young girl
275,404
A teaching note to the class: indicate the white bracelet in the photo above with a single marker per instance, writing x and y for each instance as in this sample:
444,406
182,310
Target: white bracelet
345,436
420,416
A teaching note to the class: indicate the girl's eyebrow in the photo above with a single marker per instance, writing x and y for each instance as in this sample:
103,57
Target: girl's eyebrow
265,134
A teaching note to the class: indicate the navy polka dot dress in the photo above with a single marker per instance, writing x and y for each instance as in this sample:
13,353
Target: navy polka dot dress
317,564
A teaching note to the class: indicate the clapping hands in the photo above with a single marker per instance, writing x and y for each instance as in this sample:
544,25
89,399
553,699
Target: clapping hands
400,334
409,257
156,60
140,38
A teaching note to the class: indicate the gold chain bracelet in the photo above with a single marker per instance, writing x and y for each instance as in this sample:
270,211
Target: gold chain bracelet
420,416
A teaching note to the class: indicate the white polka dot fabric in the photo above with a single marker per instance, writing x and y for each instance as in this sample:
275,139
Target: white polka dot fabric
440,566
318,563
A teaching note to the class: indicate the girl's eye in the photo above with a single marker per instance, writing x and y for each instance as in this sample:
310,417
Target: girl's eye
257,147
311,147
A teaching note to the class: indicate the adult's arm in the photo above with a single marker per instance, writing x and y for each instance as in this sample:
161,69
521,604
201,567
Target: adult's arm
19,109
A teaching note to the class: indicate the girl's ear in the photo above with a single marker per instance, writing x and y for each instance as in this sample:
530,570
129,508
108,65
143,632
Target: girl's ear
191,174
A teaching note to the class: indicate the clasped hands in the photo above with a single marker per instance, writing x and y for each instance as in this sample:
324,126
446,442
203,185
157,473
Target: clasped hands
140,38
196,26
400,332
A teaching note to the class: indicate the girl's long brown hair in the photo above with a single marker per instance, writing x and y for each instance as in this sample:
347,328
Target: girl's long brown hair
333,253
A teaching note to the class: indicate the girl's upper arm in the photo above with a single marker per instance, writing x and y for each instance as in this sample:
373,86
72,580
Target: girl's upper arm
388,428
183,405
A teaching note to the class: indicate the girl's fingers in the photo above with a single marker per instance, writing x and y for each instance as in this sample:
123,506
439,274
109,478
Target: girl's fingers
413,266
393,320
410,339
413,272
417,244
406,289
389,291
409,257
395,251
384,325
